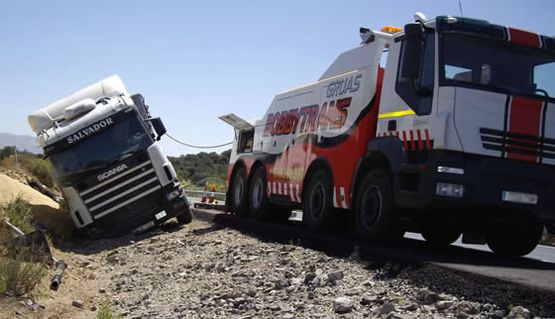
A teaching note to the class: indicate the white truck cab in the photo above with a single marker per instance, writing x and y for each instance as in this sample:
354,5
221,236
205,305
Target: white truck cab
103,145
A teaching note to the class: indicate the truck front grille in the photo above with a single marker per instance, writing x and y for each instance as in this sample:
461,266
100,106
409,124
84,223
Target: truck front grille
125,188
508,142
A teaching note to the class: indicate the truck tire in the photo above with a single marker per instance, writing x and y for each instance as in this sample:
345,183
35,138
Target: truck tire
513,241
239,204
185,217
258,195
374,208
318,210
438,233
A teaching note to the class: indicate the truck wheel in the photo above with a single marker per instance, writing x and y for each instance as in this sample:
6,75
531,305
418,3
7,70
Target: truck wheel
317,202
185,217
258,196
374,208
512,241
439,234
239,205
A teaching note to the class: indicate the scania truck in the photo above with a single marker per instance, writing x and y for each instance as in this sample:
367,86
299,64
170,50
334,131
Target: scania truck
103,146
445,127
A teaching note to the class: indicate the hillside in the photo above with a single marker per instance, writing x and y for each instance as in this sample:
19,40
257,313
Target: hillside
22,142
195,170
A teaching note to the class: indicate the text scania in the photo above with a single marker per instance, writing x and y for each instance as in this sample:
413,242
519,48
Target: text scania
332,115
111,172
89,130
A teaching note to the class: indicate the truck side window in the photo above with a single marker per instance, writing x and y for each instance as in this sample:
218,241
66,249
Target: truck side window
418,93
246,139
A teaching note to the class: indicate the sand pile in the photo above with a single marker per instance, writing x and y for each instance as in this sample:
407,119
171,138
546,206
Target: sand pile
45,210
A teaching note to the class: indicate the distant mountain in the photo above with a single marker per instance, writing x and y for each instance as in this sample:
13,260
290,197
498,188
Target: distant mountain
22,142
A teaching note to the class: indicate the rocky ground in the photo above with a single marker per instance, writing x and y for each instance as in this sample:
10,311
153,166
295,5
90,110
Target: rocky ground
205,271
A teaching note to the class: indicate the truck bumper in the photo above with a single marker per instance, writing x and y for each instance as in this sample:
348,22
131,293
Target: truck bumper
148,210
484,186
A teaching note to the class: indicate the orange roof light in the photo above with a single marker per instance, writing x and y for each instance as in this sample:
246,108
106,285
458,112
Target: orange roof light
391,29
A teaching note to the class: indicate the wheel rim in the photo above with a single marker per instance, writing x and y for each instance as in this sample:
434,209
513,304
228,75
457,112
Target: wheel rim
317,199
257,192
371,206
238,194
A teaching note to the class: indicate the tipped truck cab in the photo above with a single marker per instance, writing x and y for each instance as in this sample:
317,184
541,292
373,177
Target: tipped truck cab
103,146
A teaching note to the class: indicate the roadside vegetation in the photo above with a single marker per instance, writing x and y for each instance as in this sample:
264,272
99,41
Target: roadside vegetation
31,164
198,170
21,267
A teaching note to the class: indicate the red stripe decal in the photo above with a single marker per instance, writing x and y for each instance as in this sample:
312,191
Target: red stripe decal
412,144
420,147
405,140
525,119
524,37
428,143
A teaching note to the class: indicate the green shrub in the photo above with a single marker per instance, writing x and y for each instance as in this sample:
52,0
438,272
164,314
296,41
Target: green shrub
18,212
39,168
106,312
19,277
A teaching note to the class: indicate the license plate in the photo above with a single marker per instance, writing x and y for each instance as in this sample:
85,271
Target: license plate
160,215
517,197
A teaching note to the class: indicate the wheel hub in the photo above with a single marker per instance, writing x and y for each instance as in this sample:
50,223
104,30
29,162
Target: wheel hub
257,193
317,200
371,205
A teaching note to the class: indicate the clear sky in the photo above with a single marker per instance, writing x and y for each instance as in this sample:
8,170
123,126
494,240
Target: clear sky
196,60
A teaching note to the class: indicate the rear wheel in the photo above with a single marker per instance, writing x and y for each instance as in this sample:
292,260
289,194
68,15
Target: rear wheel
239,205
374,208
317,202
258,196
513,241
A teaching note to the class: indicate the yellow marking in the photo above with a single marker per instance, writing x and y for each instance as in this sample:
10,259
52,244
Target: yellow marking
396,114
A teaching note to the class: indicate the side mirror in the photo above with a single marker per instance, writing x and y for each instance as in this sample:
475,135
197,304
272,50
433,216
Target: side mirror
411,54
158,127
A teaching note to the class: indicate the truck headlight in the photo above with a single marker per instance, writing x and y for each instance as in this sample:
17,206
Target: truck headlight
449,189
450,170
173,194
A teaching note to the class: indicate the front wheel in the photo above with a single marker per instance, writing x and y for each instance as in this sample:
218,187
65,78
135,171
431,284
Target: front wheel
513,241
239,205
374,208
185,217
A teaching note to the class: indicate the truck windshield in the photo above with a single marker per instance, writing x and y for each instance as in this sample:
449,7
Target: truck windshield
112,145
497,65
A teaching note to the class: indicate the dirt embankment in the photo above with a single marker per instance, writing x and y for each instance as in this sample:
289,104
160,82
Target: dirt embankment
82,279
45,210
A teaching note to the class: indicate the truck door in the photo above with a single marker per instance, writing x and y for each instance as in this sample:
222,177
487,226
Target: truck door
407,102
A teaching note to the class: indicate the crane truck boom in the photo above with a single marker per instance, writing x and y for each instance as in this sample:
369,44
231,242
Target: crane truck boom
103,145
455,135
